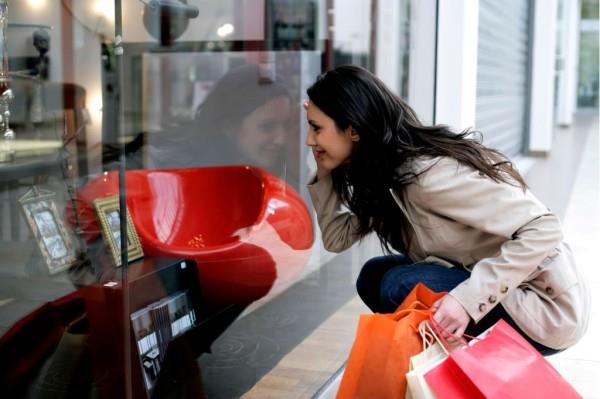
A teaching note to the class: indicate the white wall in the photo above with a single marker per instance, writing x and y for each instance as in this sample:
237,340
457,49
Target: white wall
87,66
389,47
542,84
567,99
352,25
421,78
457,63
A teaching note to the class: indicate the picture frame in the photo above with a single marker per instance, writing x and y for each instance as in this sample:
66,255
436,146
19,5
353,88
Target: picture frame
53,239
109,213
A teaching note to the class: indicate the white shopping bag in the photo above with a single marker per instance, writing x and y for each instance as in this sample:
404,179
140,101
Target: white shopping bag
433,354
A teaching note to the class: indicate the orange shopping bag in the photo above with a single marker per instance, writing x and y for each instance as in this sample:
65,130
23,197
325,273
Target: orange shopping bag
384,343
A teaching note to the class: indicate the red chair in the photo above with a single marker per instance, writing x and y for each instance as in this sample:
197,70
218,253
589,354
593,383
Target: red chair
249,231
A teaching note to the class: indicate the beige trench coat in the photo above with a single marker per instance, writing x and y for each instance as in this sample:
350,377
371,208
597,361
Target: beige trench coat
507,238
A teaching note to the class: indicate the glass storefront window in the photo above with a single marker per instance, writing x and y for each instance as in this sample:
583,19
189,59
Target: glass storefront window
589,9
156,235
587,90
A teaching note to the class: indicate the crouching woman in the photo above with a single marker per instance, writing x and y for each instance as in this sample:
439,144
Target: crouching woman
457,215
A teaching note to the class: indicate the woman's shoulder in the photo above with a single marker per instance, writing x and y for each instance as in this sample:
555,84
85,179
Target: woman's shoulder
447,176
427,166
429,173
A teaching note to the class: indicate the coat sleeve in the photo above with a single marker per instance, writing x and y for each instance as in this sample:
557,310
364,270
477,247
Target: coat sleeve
339,227
532,231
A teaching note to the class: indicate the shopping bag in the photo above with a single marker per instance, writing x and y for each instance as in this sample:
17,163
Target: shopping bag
384,343
434,352
499,364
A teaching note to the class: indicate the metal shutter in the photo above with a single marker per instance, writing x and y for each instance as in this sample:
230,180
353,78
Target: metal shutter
503,74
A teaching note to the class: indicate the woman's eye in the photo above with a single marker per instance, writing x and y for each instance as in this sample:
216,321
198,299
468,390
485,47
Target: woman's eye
267,126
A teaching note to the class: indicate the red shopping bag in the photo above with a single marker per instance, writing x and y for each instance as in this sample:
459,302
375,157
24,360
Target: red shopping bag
382,349
500,365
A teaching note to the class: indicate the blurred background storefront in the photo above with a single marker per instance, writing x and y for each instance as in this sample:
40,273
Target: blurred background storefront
174,129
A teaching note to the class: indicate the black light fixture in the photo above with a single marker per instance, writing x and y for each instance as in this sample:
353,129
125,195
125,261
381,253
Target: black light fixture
166,20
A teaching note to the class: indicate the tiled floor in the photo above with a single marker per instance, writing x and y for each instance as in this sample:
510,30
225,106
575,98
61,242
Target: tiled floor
581,363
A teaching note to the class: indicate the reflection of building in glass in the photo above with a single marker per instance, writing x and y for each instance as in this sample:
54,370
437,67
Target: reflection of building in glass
49,231
151,365
292,25
155,326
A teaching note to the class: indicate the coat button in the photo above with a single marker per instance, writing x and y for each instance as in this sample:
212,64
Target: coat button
482,307
504,289
549,290
492,299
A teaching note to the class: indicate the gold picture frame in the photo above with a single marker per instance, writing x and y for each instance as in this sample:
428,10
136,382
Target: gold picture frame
53,239
109,215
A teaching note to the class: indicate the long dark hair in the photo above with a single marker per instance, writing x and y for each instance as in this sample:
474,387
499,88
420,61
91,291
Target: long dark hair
391,137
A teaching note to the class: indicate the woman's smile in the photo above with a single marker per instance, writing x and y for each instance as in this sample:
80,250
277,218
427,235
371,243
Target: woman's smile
319,153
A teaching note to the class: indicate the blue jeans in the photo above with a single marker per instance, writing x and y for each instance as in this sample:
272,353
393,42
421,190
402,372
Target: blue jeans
385,281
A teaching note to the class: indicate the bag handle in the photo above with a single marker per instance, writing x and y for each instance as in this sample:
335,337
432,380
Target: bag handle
414,304
429,337
401,313
437,330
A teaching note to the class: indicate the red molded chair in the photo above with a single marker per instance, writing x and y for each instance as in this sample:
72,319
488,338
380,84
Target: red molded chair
249,231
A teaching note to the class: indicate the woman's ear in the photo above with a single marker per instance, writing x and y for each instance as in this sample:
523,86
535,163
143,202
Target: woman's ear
353,134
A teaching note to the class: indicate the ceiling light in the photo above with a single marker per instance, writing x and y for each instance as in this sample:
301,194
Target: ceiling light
36,4
105,8
225,30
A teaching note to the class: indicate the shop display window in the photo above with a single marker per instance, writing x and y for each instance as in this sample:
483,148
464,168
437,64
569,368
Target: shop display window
156,234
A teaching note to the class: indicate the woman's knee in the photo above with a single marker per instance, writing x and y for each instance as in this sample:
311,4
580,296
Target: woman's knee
373,270
396,284
369,279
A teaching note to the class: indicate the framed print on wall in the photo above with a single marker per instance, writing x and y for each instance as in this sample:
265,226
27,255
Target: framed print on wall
109,215
53,239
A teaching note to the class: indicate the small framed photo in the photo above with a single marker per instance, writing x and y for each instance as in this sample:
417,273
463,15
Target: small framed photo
52,237
109,215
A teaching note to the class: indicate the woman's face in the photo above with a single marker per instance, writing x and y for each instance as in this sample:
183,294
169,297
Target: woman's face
331,146
263,133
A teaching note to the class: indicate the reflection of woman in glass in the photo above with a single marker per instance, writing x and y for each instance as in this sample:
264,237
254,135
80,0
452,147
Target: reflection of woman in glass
243,120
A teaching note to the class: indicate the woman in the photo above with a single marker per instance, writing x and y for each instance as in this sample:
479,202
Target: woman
459,214
243,120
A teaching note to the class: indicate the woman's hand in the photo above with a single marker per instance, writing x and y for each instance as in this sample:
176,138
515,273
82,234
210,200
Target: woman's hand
450,315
